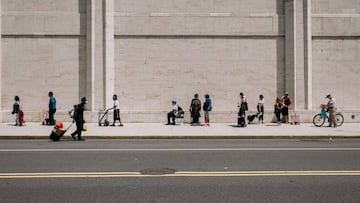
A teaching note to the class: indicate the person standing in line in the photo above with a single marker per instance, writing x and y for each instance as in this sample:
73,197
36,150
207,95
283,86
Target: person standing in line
278,107
195,108
79,119
52,108
260,108
243,107
116,108
207,107
16,111
285,110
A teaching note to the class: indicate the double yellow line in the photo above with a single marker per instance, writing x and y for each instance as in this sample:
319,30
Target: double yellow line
178,174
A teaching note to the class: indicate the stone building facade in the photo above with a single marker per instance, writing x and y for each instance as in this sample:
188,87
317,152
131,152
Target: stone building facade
150,52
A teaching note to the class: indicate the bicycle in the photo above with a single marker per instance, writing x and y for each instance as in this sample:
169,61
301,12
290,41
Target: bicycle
319,119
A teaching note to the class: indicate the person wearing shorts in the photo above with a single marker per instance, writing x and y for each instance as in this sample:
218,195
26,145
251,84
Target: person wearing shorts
116,108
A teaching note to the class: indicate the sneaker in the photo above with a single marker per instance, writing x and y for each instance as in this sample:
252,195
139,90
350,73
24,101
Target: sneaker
121,125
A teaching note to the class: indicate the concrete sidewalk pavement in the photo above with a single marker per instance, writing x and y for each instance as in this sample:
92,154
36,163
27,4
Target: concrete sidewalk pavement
161,131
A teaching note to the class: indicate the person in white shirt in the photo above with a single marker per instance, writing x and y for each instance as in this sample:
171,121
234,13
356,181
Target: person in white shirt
116,108
260,108
173,113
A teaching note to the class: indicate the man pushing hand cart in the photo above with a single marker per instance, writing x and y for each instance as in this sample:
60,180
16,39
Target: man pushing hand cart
103,121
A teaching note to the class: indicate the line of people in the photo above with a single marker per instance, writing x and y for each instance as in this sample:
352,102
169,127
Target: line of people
281,110
195,108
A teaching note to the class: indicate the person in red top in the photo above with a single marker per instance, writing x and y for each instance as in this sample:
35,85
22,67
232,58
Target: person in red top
285,111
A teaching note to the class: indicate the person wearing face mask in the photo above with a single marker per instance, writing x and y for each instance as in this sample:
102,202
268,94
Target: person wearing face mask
79,119
116,108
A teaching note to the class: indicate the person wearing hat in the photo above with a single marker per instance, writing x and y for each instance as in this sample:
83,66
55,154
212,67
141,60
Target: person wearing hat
173,113
331,109
79,119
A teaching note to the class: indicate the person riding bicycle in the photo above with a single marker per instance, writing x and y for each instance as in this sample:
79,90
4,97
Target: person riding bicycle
331,109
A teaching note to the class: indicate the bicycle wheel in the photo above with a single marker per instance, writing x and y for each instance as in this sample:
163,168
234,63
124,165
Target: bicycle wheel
318,120
339,119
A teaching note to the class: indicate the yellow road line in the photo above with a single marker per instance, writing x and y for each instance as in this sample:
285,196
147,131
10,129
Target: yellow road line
178,174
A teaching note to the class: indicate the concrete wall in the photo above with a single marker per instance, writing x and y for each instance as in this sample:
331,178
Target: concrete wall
336,52
151,52
170,50
43,49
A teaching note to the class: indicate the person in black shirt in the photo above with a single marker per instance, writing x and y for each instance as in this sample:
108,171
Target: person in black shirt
195,109
79,119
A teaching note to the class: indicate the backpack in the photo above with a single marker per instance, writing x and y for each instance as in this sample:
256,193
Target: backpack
72,111
180,110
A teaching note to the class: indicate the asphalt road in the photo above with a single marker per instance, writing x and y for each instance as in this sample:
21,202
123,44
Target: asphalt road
180,171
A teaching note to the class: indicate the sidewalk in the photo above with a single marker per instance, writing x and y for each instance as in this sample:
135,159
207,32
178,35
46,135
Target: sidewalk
161,131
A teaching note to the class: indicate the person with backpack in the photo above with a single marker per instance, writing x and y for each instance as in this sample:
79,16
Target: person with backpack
207,107
175,111
79,119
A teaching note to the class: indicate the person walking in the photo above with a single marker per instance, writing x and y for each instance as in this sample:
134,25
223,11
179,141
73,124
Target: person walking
116,108
207,107
79,119
260,108
195,108
52,108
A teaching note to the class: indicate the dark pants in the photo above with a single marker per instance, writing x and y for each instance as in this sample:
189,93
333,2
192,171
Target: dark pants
195,116
79,127
278,114
261,112
51,116
171,115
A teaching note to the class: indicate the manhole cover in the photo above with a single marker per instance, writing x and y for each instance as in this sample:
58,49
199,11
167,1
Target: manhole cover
157,171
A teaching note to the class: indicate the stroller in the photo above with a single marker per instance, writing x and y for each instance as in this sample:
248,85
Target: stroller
252,117
58,131
103,120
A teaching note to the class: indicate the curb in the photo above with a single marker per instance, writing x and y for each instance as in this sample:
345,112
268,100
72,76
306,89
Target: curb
95,137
